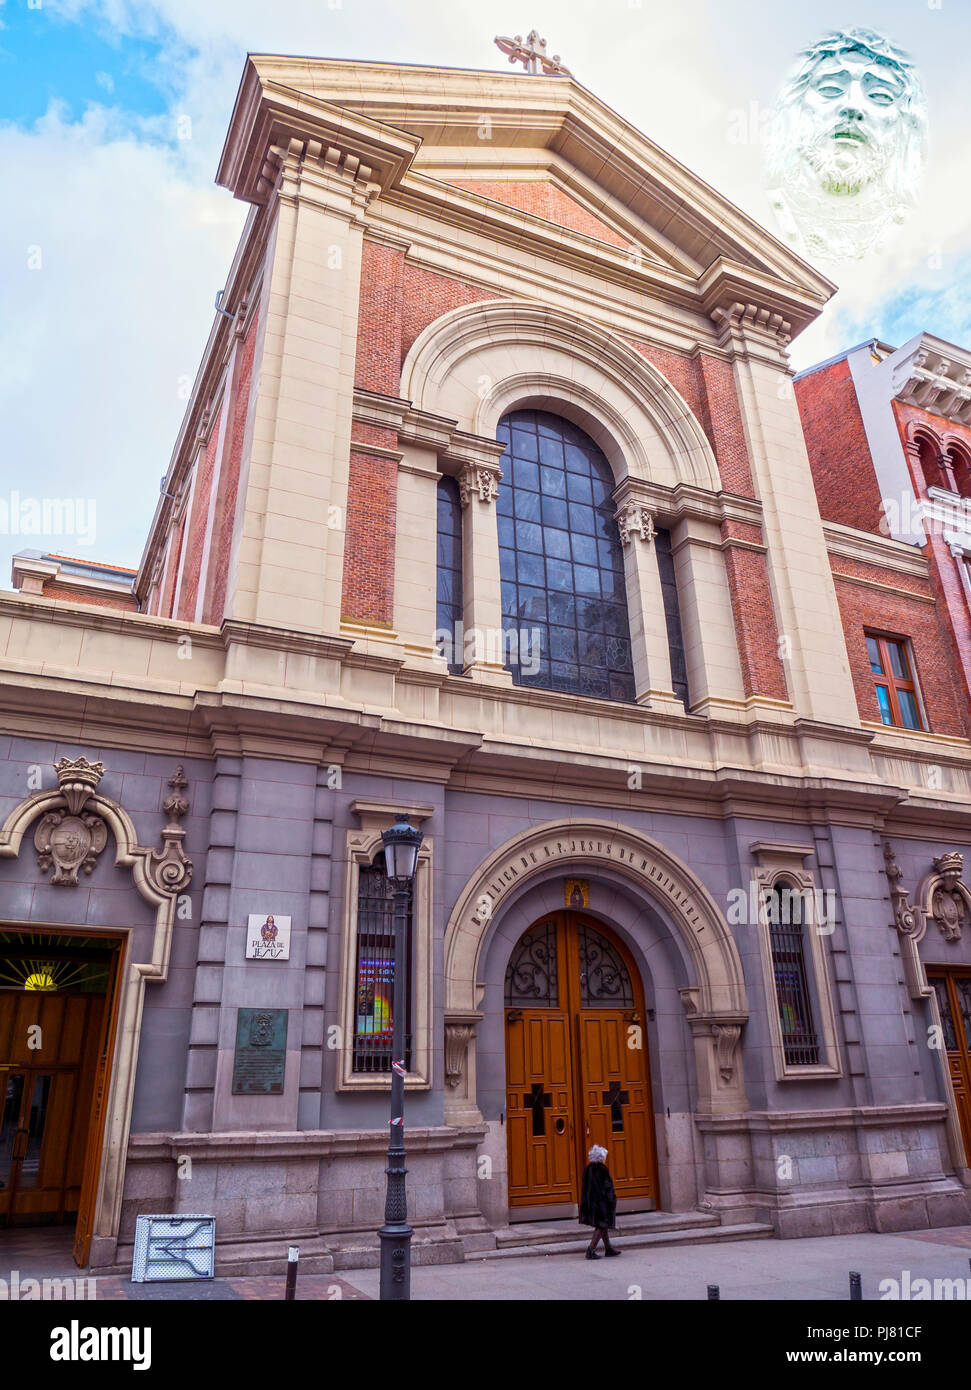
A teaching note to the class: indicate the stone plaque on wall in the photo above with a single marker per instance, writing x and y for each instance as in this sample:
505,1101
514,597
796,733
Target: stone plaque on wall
260,1059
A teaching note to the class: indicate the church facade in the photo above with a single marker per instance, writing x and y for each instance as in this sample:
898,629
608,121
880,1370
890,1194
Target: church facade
492,505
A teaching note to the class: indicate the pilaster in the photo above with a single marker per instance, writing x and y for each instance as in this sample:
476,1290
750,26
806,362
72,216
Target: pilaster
800,579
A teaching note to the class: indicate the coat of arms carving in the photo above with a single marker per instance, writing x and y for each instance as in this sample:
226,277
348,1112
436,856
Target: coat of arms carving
71,838
69,843
949,903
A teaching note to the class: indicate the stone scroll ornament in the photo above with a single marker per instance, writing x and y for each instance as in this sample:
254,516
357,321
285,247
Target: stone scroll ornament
71,838
942,897
846,145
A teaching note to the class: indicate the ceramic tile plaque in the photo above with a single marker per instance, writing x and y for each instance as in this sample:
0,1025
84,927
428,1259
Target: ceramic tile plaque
267,937
260,1059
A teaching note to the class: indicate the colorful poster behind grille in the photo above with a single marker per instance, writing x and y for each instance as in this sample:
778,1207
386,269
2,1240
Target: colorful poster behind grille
375,991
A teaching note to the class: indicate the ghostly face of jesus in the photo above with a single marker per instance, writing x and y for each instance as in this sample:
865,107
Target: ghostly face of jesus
849,121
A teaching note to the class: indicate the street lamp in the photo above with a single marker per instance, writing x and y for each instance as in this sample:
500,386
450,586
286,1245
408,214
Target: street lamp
401,845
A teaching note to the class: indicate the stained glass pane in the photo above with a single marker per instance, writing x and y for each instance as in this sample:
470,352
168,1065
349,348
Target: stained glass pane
873,651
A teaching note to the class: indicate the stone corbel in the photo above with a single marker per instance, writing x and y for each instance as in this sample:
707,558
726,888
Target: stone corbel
634,519
717,1038
460,1103
477,481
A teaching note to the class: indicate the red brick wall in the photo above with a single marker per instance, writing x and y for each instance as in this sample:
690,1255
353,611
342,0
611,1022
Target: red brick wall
708,387
839,455
128,603
228,486
167,606
369,539
196,537
427,295
939,677
756,630
378,364
545,199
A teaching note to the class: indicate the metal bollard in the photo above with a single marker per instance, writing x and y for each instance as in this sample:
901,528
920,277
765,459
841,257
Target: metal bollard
293,1257
856,1288
713,1291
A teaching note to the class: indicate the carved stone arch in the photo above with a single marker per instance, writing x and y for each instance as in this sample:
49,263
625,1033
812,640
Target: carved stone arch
160,876
715,1003
477,362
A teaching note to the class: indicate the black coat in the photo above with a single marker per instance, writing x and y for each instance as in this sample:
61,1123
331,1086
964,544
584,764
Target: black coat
598,1200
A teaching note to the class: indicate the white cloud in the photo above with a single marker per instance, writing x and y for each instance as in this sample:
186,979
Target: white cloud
135,239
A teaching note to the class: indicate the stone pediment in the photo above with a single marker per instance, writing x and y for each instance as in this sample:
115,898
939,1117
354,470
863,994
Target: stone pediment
428,136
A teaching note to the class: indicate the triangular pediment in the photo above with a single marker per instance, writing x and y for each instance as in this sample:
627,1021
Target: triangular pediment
483,143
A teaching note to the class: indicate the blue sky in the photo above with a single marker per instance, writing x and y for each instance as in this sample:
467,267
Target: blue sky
115,241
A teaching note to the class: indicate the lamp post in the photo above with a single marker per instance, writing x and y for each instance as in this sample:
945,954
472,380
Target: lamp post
401,845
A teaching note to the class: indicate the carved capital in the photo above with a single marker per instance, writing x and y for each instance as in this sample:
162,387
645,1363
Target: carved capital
476,481
634,519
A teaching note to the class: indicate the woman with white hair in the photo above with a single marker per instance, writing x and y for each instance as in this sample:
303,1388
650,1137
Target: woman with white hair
598,1202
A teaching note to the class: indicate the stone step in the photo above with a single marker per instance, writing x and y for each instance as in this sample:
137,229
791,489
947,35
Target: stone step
693,1235
628,1223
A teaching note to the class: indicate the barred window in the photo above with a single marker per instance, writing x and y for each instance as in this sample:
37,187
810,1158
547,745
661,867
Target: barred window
374,1007
784,910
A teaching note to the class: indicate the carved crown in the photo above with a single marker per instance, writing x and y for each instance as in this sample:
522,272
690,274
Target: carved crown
78,780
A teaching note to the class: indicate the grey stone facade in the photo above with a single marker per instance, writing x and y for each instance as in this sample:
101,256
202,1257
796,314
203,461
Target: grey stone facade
865,1149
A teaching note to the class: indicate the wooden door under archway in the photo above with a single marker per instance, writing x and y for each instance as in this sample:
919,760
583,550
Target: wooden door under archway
577,1070
58,1011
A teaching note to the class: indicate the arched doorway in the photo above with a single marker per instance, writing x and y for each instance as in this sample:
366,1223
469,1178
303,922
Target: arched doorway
577,1069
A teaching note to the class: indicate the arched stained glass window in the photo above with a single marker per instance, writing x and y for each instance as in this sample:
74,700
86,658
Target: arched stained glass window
448,618
564,600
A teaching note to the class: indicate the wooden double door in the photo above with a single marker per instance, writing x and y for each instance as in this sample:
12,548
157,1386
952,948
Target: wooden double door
58,1001
953,989
577,1068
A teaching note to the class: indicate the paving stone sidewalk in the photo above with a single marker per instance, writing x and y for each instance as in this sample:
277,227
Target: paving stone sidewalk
815,1269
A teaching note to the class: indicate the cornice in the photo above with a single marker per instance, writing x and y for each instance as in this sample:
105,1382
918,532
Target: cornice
688,500
269,114
854,544
247,634
935,376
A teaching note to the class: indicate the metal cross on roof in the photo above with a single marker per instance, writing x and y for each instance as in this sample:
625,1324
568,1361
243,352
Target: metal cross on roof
532,54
